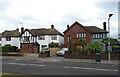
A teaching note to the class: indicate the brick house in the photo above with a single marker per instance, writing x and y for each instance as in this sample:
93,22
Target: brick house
77,31
34,40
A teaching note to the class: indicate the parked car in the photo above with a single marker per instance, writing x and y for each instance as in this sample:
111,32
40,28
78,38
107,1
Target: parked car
62,52
45,49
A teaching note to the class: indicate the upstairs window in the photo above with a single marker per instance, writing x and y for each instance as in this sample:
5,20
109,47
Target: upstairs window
54,37
81,35
26,38
97,36
8,38
41,37
69,39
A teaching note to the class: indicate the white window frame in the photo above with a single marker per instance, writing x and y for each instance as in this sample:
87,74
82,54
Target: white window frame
53,37
8,38
42,37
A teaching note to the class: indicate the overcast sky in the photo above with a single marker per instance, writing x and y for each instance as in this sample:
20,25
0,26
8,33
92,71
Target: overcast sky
42,13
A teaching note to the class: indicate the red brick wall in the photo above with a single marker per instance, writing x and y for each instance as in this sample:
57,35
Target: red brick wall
72,32
28,48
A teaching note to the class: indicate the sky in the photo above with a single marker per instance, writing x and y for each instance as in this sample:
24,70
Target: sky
32,14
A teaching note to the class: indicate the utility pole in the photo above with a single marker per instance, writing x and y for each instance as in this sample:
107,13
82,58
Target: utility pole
109,47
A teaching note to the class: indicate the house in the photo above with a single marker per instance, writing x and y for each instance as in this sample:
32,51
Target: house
0,39
77,31
119,36
34,40
11,37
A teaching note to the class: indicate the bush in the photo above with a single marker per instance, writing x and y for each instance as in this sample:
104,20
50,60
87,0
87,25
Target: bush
9,48
53,45
94,47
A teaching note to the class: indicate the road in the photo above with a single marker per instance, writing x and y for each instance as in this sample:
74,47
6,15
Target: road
37,67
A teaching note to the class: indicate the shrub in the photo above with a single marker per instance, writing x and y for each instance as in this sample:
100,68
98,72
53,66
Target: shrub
53,45
9,48
93,47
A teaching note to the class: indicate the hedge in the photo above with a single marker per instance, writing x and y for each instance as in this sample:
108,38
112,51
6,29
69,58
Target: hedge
9,48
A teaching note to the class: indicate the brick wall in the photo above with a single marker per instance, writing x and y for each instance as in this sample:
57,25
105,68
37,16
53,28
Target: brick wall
72,32
29,48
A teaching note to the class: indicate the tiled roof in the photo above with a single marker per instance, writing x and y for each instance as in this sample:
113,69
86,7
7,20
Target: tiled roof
91,29
94,29
43,31
12,33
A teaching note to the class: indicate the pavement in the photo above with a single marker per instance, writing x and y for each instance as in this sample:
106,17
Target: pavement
62,59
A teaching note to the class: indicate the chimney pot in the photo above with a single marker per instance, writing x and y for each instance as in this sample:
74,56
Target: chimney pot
22,29
17,29
104,26
67,26
52,26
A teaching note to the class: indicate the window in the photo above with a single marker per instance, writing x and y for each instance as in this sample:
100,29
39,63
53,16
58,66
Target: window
54,37
101,36
97,36
69,38
79,35
93,35
41,37
119,36
26,38
0,39
43,47
8,38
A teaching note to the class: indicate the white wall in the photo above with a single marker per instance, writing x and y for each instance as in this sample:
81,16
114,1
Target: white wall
48,40
43,42
14,42
61,39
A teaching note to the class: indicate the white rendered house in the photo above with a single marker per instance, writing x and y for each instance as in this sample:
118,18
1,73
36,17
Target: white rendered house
34,40
10,37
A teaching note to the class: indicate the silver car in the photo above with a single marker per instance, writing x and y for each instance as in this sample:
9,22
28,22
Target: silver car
62,52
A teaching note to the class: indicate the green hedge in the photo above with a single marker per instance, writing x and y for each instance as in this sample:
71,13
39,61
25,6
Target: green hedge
9,48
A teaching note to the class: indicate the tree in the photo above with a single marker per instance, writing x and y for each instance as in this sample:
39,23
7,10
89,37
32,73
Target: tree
82,41
94,46
113,42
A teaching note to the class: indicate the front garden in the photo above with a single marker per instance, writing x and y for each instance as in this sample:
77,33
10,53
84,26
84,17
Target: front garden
8,50
90,50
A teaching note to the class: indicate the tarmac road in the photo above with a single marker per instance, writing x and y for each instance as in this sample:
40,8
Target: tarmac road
41,67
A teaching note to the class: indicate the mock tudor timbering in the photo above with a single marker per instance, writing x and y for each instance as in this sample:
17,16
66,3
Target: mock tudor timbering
38,39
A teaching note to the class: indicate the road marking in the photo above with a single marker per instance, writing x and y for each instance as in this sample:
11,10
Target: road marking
96,69
92,68
36,65
26,64
12,63
17,59
17,63
66,67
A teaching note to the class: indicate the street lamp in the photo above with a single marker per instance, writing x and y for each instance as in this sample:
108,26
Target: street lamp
109,48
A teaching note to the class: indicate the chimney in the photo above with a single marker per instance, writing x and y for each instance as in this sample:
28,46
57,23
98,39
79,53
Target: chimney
52,26
67,26
17,29
22,29
104,26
